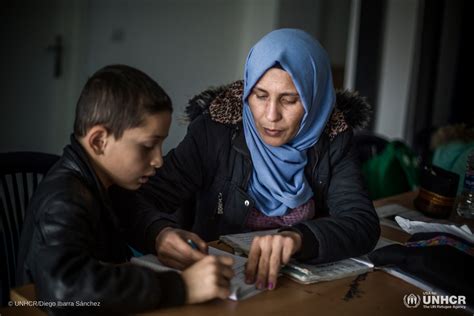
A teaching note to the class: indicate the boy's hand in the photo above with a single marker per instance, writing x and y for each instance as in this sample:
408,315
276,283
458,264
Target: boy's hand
266,256
208,278
173,250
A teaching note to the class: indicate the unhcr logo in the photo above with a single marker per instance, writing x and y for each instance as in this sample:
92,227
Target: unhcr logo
412,300
431,300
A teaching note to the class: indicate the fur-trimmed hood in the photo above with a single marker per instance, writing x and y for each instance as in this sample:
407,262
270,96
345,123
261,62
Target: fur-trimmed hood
224,105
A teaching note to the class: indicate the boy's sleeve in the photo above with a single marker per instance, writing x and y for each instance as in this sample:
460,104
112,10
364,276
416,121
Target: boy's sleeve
66,271
352,227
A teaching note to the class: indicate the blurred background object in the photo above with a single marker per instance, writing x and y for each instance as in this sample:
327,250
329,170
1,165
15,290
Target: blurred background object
437,194
450,147
392,171
20,174
406,57
465,201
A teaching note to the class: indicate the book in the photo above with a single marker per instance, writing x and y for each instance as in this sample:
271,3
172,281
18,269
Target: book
312,273
412,279
239,290
302,272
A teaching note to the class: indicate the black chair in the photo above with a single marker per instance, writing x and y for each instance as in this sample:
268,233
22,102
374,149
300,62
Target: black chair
20,174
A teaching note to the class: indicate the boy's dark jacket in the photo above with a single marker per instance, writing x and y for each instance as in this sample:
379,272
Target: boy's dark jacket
206,178
71,242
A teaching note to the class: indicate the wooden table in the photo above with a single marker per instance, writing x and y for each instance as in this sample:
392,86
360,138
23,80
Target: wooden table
373,293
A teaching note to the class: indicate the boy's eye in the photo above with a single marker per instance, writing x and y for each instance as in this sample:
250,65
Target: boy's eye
148,146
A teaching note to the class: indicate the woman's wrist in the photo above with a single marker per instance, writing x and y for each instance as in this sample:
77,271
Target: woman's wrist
309,248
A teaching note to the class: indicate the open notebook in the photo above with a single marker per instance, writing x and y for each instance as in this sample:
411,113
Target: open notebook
239,289
307,273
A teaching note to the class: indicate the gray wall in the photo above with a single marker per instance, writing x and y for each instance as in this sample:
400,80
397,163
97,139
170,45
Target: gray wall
185,45
396,68
34,113
326,20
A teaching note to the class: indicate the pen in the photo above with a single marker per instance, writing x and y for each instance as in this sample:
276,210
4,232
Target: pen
192,244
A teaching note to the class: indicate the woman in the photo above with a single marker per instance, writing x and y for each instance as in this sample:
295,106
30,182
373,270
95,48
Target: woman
273,153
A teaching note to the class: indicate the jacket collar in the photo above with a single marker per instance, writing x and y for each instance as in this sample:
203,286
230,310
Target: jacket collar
77,159
224,105
238,141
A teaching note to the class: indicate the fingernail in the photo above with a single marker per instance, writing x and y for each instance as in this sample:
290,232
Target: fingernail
270,286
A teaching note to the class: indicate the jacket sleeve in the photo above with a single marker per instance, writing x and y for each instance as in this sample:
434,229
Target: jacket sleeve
184,172
352,227
66,271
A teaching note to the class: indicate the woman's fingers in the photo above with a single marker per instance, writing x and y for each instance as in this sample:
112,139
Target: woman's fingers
287,251
266,256
258,264
252,262
275,261
264,262
292,243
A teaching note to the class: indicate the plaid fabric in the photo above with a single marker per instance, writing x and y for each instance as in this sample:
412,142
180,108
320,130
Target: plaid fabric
442,240
259,221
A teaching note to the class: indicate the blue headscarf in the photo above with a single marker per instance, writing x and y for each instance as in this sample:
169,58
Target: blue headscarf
278,182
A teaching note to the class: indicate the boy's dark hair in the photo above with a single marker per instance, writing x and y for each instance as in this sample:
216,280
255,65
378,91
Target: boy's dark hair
118,97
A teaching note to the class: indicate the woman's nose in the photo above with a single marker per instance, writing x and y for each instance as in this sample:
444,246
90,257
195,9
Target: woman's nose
272,112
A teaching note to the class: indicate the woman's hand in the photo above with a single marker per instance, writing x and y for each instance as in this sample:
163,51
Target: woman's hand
266,256
173,250
208,278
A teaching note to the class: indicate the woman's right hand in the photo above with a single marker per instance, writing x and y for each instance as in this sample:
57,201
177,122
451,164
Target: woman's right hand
208,278
173,250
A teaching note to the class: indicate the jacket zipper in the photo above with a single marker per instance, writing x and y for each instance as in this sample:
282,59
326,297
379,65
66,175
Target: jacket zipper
220,204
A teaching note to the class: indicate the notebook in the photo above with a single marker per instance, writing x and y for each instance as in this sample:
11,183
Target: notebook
238,288
307,273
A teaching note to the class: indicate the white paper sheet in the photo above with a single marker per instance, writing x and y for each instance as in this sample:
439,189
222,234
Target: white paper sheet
413,227
238,288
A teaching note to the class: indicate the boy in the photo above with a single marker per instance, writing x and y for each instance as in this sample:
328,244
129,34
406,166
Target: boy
72,238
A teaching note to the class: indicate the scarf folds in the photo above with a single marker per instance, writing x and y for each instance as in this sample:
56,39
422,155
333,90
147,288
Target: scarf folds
278,183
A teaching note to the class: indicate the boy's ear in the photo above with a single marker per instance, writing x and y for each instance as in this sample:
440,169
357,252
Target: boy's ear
97,139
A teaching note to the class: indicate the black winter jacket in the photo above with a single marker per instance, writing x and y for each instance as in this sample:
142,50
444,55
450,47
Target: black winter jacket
206,178
71,242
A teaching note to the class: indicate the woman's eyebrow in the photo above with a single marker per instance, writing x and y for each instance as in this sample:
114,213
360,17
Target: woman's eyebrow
260,89
288,93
